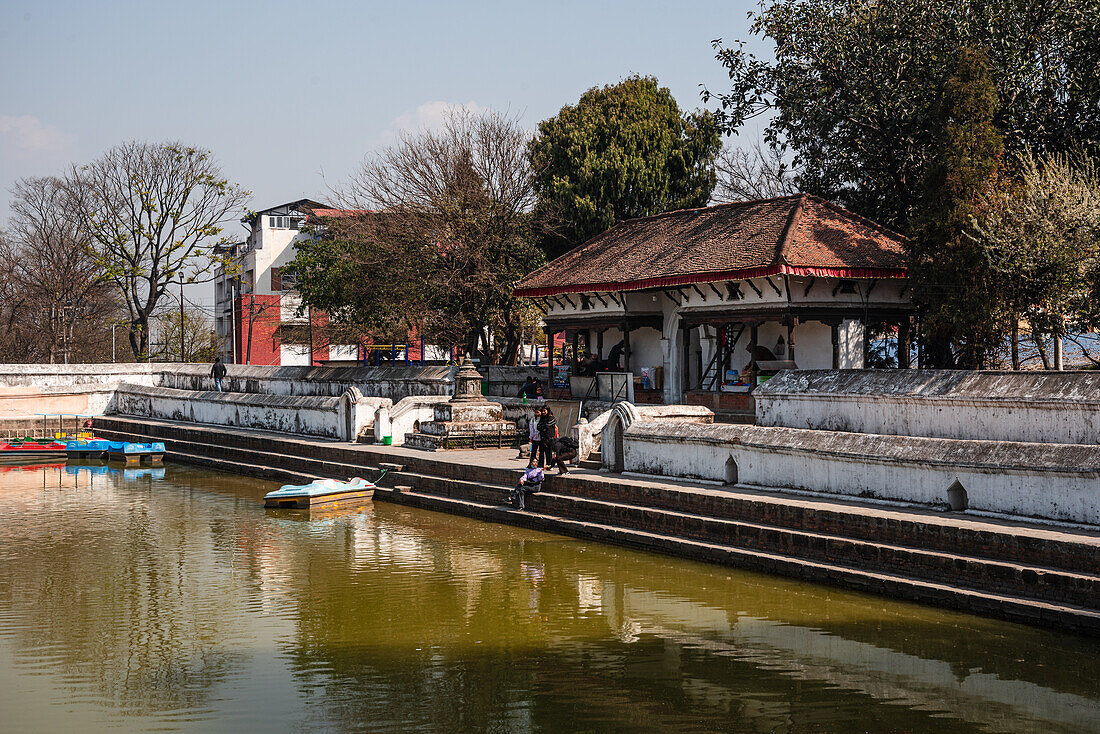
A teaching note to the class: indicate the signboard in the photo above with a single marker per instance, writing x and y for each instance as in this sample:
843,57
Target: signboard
561,375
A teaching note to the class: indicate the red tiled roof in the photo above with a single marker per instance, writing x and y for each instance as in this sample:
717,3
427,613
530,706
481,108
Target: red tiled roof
336,213
794,235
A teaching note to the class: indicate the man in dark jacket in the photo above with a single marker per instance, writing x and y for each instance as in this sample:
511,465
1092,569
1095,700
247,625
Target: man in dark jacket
548,433
218,373
565,449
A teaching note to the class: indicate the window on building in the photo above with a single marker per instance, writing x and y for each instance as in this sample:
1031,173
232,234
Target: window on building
276,280
281,222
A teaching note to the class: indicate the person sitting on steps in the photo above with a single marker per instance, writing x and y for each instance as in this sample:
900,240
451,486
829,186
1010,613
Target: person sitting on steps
529,483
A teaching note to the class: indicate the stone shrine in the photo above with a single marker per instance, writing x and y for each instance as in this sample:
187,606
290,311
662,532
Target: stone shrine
467,420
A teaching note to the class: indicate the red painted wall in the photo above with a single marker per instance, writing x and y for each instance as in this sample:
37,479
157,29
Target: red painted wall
266,315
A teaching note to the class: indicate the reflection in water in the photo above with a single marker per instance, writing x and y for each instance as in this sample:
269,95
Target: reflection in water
170,599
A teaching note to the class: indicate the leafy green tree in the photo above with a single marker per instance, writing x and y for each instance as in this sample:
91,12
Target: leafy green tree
852,89
1041,233
624,150
961,301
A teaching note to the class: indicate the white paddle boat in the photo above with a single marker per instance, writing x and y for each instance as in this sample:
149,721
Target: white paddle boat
321,493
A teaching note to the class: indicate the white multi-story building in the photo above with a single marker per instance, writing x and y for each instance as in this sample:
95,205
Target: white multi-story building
252,304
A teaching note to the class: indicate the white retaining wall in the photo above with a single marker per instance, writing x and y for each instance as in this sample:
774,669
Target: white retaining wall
1057,482
344,417
1042,407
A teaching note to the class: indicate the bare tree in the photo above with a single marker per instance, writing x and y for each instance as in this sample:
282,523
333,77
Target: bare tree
757,172
152,213
198,339
55,303
452,230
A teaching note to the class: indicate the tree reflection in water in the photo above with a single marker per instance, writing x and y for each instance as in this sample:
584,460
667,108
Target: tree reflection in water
183,595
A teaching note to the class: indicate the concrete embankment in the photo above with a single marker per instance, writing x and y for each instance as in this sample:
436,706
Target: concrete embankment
1037,574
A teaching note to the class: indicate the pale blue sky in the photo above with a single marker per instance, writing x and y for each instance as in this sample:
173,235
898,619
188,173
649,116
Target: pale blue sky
282,91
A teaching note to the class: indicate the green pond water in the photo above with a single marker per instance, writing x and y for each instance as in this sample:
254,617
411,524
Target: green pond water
171,600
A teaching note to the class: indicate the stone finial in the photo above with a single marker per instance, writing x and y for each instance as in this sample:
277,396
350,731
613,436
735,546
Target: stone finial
467,383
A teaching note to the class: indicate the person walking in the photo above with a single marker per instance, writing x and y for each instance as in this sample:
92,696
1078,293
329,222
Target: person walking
218,373
529,483
548,432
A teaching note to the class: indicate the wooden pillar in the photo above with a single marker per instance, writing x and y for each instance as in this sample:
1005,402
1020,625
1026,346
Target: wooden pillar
626,347
599,344
685,363
549,362
866,343
753,333
790,338
903,343
834,335
576,345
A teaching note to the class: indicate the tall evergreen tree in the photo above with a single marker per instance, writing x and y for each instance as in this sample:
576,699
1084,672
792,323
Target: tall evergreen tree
962,314
624,150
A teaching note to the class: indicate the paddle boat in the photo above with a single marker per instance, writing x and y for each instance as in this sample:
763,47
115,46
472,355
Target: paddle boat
31,448
321,493
133,454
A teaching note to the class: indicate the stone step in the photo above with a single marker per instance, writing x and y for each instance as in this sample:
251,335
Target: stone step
289,462
1018,579
1009,541
1029,611
960,534
260,471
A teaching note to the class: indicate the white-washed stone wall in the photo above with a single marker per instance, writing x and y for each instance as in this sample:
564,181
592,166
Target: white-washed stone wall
1053,481
1044,407
342,417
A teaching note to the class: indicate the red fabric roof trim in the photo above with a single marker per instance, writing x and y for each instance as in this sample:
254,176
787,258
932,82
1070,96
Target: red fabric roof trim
638,285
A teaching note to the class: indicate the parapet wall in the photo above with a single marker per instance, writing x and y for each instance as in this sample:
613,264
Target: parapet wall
343,417
88,388
393,383
1041,407
1057,482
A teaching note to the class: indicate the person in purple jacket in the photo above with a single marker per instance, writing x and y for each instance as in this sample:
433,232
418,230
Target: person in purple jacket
529,483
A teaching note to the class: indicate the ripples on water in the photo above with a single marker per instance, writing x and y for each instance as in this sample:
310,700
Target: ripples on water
173,600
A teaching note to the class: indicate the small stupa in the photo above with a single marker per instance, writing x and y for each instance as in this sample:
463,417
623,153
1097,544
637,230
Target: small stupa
467,420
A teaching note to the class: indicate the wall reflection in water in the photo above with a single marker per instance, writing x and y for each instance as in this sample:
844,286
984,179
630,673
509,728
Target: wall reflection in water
173,599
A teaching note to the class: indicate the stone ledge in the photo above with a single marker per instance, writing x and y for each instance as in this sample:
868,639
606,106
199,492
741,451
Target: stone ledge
1007,456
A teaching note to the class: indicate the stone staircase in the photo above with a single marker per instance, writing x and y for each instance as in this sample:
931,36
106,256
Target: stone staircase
1044,575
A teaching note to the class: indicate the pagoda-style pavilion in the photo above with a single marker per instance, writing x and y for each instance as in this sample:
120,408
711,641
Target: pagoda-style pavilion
706,302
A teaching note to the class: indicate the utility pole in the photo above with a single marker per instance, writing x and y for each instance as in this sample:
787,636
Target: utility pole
182,357
248,350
